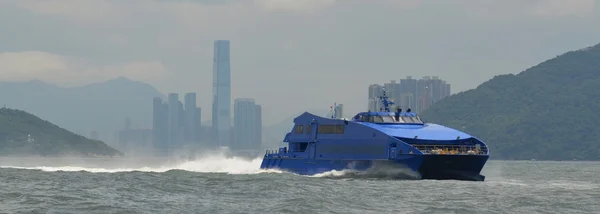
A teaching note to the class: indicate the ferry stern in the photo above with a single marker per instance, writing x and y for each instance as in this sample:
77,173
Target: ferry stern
452,162
453,167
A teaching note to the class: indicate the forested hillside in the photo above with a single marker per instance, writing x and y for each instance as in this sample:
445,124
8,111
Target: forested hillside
24,134
550,111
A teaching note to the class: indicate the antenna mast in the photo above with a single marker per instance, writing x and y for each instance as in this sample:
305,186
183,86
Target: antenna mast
386,103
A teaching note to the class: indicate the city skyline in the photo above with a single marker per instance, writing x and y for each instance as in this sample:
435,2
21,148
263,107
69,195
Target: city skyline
178,125
296,49
416,94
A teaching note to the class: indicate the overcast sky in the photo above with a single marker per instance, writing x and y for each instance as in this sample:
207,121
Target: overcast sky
290,55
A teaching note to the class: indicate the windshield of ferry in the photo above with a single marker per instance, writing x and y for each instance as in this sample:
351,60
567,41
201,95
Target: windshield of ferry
391,119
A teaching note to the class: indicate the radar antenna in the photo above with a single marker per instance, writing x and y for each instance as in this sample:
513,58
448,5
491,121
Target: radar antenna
333,110
386,103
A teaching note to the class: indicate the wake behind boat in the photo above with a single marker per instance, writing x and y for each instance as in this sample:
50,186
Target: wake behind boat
376,141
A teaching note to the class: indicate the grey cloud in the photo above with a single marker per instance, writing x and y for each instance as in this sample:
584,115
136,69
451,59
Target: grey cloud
324,55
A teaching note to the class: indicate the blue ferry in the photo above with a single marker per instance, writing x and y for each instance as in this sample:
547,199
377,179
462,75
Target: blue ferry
388,141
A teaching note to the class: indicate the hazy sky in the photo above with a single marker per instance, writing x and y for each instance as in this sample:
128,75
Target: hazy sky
290,55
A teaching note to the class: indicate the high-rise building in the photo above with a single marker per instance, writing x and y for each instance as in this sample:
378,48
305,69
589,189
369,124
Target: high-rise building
176,126
198,127
221,107
160,124
392,90
191,118
416,94
258,131
408,89
174,120
247,125
406,101
339,111
375,91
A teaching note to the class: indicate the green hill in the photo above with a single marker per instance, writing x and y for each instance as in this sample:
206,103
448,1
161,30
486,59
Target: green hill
23,134
550,111
106,103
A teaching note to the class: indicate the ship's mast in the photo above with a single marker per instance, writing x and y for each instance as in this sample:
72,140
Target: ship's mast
333,108
386,103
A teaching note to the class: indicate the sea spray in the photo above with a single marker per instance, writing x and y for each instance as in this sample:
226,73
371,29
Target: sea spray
217,162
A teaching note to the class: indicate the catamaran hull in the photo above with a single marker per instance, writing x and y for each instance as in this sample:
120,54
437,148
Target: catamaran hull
440,167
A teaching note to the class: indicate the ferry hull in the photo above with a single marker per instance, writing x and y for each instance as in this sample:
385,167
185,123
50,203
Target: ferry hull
455,167
441,167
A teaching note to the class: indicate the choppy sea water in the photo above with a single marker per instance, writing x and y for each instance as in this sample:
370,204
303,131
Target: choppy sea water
230,185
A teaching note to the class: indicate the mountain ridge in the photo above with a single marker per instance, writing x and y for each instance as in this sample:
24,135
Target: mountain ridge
544,112
24,134
100,106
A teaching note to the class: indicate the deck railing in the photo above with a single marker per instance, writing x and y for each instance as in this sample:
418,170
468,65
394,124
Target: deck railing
268,152
452,149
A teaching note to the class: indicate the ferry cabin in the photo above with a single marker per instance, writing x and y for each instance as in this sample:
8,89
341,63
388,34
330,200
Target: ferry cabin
374,136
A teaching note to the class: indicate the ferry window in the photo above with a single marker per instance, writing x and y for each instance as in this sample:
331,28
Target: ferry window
298,147
326,129
307,129
363,118
331,129
418,119
303,147
299,129
377,119
412,119
339,129
381,119
400,120
388,119
408,120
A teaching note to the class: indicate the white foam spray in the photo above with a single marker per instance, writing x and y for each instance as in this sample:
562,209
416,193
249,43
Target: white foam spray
377,171
214,163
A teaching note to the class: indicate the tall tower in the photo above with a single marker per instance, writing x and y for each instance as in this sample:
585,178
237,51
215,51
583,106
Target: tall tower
339,111
174,122
258,127
221,116
375,91
190,117
160,124
247,125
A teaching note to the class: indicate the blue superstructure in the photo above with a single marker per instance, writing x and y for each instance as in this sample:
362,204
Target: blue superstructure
380,141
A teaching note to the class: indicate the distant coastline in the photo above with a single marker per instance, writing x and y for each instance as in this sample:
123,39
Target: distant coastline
23,134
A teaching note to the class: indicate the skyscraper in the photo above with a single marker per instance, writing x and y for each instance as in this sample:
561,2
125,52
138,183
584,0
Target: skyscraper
375,91
247,125
174,122
221,116
258,126
416,94
408,89
339,111
191,117
392,91
198,117
160,124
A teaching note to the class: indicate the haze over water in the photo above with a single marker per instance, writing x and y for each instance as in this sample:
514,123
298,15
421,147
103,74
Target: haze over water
218,184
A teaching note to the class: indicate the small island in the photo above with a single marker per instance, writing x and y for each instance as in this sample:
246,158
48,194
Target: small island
24,134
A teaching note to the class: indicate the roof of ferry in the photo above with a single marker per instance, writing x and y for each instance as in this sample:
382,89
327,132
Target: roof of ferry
427,131
379,113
